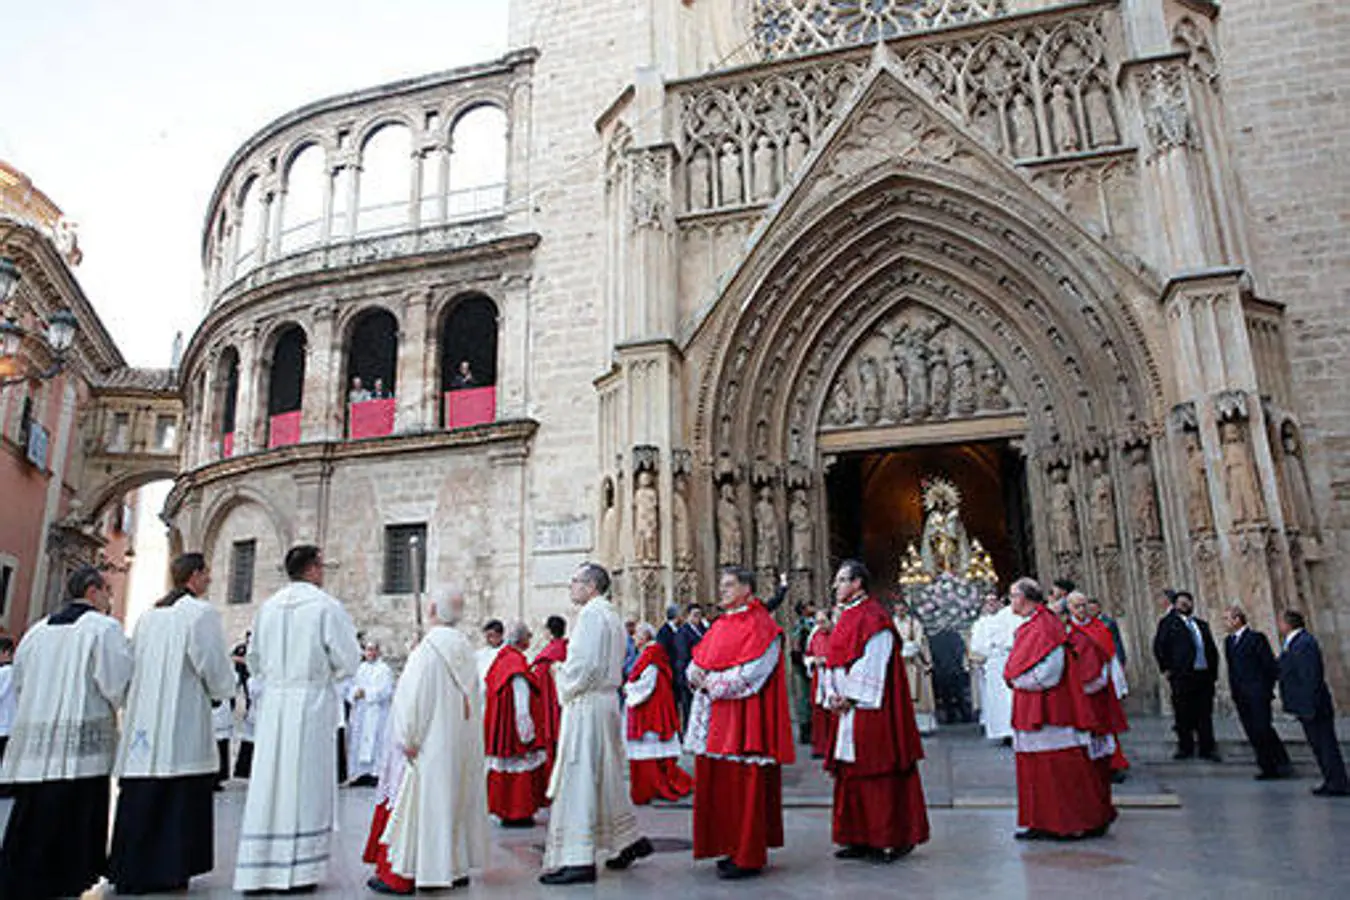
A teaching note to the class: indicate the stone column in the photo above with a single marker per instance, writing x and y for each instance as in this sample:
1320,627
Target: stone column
411,382
321,418
248,412
513,347
203,447
326,217
651,233
508,532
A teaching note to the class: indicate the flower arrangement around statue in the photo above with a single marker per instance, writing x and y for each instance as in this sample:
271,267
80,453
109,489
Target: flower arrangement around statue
945,581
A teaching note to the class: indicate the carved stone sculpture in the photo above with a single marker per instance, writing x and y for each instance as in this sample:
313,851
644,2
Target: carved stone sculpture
1143,495
1064,528
1167,116
869,382
762,163
768,545
1197,483
1023,128
841,408
796,153
911,358
1244,501
646,520
801,530
940,384
992,397
964,399
608,551
1100,122
1103,505
729,175
730,540
700,181
1062,121
1299,513
679,523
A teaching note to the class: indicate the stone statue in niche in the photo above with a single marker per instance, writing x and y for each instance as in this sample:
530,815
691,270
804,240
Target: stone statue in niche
940,384
801,530
761,439
992,396
964,400
762,161
729,175
608,551
700,180
1023,128
796,153
869,384
1103,505
1143,497
730,541
646,519
841,410
1167,115
1239,480
911,358
895,393
1062,124
1100,122
679,522
1064,532
768,545
1197,483
1296,481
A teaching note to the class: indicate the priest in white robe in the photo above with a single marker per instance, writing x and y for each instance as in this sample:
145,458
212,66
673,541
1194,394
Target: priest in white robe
991,639
592,814
303,644
71,672
436,830
166,761
370,694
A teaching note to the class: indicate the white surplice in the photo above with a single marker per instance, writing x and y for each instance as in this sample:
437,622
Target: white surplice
438,828
863,682
370,716
303,644
182,664
592,813
650,745
992,638
70,680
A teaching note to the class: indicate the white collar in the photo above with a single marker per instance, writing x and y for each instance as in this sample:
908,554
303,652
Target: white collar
1289,639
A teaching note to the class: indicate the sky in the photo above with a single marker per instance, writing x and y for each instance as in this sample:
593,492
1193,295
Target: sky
124,113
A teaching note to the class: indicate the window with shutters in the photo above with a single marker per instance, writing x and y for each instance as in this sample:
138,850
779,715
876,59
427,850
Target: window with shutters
242,556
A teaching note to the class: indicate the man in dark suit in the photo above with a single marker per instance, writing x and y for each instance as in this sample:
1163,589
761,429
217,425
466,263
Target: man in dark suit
686,639
1303,688
665,635
1185,651
1252,676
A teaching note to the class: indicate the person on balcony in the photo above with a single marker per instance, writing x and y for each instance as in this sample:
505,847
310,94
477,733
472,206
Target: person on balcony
379,391
464,379
358,393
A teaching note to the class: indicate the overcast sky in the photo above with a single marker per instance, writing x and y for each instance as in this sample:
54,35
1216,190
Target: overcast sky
125,111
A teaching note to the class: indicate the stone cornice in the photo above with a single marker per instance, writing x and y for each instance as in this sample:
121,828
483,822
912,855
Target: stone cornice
507,435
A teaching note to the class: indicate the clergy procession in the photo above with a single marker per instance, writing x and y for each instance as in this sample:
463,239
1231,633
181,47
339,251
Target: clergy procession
589,729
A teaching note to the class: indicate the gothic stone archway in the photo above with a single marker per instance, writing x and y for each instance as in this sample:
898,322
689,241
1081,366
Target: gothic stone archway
914,289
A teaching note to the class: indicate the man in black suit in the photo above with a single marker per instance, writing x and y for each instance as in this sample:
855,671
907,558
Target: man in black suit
1252,676
686,639
665,635
1303,689
1185,651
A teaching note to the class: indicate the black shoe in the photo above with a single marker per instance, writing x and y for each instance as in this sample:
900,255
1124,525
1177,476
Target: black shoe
1213,756
460,882
569,875
725,863
518,823
1274,776
1182,754
1099,831
852,851
1119,777
891,854
379,887
1006,742
733,872
639,849
1325,791
1032,834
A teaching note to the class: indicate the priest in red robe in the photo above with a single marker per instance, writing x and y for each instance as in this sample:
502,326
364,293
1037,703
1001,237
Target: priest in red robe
879,808
1109,712
817,648
515,753
1061,791
740,731
653,734
541,670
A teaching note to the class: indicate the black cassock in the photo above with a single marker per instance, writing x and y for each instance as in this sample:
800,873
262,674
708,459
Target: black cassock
57,839
163,833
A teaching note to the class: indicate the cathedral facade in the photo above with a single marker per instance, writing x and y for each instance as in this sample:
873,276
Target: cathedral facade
749,273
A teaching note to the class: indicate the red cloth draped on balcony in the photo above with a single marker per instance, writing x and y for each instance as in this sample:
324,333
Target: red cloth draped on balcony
471,406
284,430
371,418
227,445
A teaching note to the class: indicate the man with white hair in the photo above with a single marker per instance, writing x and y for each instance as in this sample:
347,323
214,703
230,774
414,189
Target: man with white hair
516,756
431,826
592,813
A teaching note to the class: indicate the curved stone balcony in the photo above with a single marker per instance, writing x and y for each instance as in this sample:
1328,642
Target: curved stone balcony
417,166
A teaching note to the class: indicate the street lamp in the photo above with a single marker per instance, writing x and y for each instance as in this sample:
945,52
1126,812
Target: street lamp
60,335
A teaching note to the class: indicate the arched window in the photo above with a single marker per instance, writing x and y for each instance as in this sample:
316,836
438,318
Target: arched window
469,361
372,363
250,227
477,163
226,400
302,203
386,174
286,387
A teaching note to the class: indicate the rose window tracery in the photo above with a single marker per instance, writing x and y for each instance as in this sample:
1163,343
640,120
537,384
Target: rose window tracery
791,27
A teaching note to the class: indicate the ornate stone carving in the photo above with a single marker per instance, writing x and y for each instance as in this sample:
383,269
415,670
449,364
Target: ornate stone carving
650,203
792,27
1239,478
730,182
1207,568
768,545
1197,483
680,526
801,529
964,397
646,519
1064,515
608,549
730,538
1144,521
1167,114
1103,504
1298,510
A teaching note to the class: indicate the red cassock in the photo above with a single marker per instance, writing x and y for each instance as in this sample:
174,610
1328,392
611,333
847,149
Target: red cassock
738,806
818,647
1108,709
1060,789
878,798
656,777
554,652
512,795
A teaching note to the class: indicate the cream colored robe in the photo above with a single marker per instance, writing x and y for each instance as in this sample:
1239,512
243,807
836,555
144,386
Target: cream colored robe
438,828
592,815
